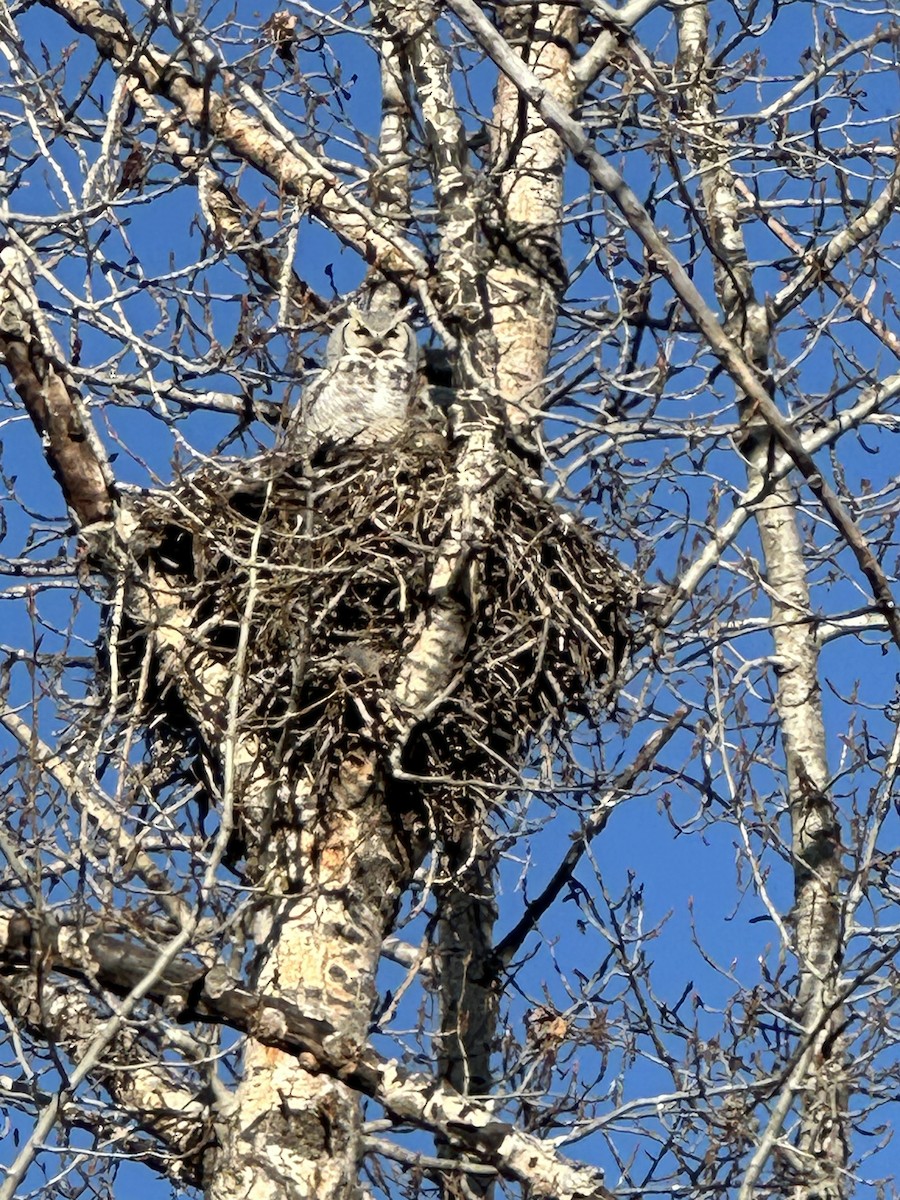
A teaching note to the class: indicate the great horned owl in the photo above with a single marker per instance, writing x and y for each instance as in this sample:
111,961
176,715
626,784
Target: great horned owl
364,393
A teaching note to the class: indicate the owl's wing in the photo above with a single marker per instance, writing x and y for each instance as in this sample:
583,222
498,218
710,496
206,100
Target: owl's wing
338,404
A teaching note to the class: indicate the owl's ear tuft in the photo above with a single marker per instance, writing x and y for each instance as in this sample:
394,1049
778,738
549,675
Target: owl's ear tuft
337,342
412,347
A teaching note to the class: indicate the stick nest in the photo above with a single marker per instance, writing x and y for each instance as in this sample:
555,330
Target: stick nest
328,568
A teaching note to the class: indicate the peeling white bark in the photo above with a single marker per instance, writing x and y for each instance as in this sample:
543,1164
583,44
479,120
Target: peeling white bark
817,1077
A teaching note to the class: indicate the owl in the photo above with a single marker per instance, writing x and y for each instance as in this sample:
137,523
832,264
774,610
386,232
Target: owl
364,393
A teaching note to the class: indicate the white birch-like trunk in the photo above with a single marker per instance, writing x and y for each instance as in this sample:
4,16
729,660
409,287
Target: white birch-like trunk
821,1146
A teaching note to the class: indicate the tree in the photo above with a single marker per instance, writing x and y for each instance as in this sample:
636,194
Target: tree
311,740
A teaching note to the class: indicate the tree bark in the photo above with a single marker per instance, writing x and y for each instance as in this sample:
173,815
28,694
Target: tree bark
819,1167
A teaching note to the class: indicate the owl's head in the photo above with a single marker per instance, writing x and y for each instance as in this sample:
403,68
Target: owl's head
380,332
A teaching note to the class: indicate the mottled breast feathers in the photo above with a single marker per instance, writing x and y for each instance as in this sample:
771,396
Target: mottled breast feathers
364,393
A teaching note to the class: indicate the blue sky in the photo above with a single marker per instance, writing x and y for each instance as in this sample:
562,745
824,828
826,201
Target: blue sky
651,497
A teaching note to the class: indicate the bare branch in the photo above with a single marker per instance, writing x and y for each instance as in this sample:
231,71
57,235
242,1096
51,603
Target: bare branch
595,823
262,140
762,406
819,265
127,968
52,400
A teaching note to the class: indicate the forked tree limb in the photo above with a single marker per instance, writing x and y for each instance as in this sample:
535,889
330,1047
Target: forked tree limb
816,937
760,404
866,408
152,1095
594,824
50,395
196,994
258,138
824,261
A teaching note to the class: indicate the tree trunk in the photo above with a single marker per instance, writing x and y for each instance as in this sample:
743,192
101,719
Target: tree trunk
818,1167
